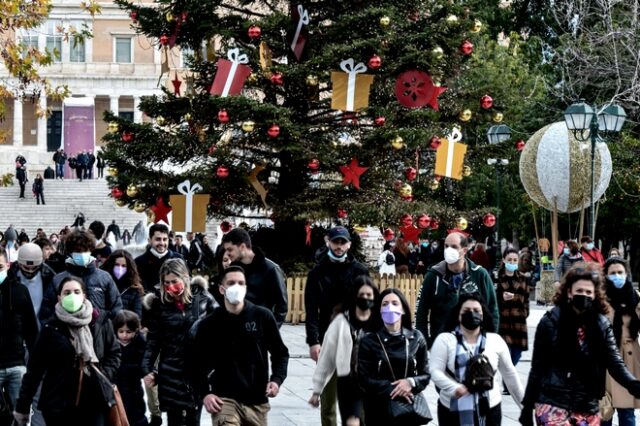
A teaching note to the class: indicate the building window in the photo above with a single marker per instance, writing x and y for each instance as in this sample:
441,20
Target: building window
123,50
77,43
29,40
54,40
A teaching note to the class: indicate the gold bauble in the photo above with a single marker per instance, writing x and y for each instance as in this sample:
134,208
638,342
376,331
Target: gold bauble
497,117
160,121
312,80
139,206
462,223
113,127
121,203
452,19
187,117
253,78
169,17
466,171
248,126
385,21
434,184
397,142
465,115
132,191
477,26
406,190
112,171
437,52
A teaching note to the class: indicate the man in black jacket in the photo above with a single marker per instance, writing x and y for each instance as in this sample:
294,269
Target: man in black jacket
231,369
18,326
328,285
265,279
157,253
31,271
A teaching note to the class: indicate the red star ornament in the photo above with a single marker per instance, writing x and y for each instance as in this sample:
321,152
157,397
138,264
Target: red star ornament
352,173
176,85
415,89
160,210
410,233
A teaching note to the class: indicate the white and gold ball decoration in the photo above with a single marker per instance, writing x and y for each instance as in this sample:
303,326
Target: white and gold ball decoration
555,169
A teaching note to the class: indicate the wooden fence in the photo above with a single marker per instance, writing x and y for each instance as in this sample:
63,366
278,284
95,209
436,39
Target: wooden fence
408,284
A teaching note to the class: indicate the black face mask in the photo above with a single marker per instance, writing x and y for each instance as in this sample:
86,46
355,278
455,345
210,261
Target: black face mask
29,275
471,320
581,302
364,304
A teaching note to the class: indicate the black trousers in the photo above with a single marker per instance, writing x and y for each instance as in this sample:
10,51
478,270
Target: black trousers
349,399
450,418
190,417
23,184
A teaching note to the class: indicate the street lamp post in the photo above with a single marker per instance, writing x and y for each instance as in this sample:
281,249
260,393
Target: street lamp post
500,164
587,125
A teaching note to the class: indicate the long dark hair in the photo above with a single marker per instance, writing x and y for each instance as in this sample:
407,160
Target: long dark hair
132,278
406,317
583,271
623,300
487,318
349,306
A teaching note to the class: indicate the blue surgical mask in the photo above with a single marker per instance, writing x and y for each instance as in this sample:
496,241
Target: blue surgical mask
566,251
335,258
425,244
3,276
589,246
618,280
511,267
81,259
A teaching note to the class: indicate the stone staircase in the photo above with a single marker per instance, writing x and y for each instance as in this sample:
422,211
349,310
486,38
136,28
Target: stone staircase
65,199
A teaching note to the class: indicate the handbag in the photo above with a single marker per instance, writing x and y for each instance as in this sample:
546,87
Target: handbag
606,407
116,415
400,410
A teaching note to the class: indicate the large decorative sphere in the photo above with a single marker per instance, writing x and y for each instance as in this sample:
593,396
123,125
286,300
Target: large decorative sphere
555,169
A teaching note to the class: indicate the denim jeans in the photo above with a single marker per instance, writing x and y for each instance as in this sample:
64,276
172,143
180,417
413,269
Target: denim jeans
59,170
626,417
516,354
11,379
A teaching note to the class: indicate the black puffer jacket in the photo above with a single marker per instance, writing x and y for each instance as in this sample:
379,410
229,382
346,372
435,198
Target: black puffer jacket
266,285
149,268
18,324
552,378
54,361
167,338
328,284
374,374
128,380
131,297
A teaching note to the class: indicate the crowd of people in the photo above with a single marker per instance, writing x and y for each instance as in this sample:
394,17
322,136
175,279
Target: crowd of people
79,315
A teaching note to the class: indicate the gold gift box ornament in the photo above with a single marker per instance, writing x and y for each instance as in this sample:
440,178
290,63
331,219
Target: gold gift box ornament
351,87
450,156
189,212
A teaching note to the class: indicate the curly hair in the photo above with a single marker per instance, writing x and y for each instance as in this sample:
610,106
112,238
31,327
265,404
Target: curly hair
583,271
132,274
79,241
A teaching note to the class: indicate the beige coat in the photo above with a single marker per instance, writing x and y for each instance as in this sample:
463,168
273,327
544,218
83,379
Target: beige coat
630,351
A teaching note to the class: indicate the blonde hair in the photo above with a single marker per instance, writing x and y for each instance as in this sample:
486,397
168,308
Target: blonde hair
178,268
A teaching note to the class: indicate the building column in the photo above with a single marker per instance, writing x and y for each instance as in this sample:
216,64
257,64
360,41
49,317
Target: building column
114,104
42,123
137,114
17,123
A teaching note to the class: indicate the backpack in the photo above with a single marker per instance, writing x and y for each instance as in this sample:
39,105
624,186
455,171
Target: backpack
478,376
390,259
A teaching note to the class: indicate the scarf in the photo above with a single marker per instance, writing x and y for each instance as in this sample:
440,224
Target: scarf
623,301
78,324
468,406
158,254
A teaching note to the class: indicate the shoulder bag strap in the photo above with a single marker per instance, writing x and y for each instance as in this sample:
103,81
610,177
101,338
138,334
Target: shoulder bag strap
386,356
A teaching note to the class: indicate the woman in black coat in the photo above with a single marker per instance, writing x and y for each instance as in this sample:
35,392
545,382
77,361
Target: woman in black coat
392,362
122,268
38,188
181,302
76,340
573,349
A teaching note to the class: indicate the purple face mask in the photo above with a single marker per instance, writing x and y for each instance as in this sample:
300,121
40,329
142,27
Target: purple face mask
391,314
119,271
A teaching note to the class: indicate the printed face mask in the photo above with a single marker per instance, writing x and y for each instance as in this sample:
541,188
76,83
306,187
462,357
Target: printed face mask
119,271
451,255
235,293
72,302
391,314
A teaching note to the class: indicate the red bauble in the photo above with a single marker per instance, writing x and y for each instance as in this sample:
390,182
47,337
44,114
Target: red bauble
225,226
117,193
127,136
520,144
223,116
466,47
435,142
438,178
342,213
434,224
388,234
489,220
183,16
254,32
424,221
411,173
276,78
164,39
415,89
314,165
486,102
379,121
274,131
375,62
134,16
407,219
222,172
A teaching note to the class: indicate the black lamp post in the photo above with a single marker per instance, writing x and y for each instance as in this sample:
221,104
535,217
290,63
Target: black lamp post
587,125
500,164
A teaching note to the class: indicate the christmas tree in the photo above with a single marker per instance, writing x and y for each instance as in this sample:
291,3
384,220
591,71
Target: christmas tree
306,111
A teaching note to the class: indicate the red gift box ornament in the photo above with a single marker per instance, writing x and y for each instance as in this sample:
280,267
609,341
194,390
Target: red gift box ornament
299,39
231,74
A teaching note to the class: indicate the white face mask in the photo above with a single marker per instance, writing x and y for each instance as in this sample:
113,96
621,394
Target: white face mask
235,294
451,255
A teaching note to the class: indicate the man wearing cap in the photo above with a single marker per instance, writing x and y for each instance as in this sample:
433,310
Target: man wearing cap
31,271
328,285
265,279
230,365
